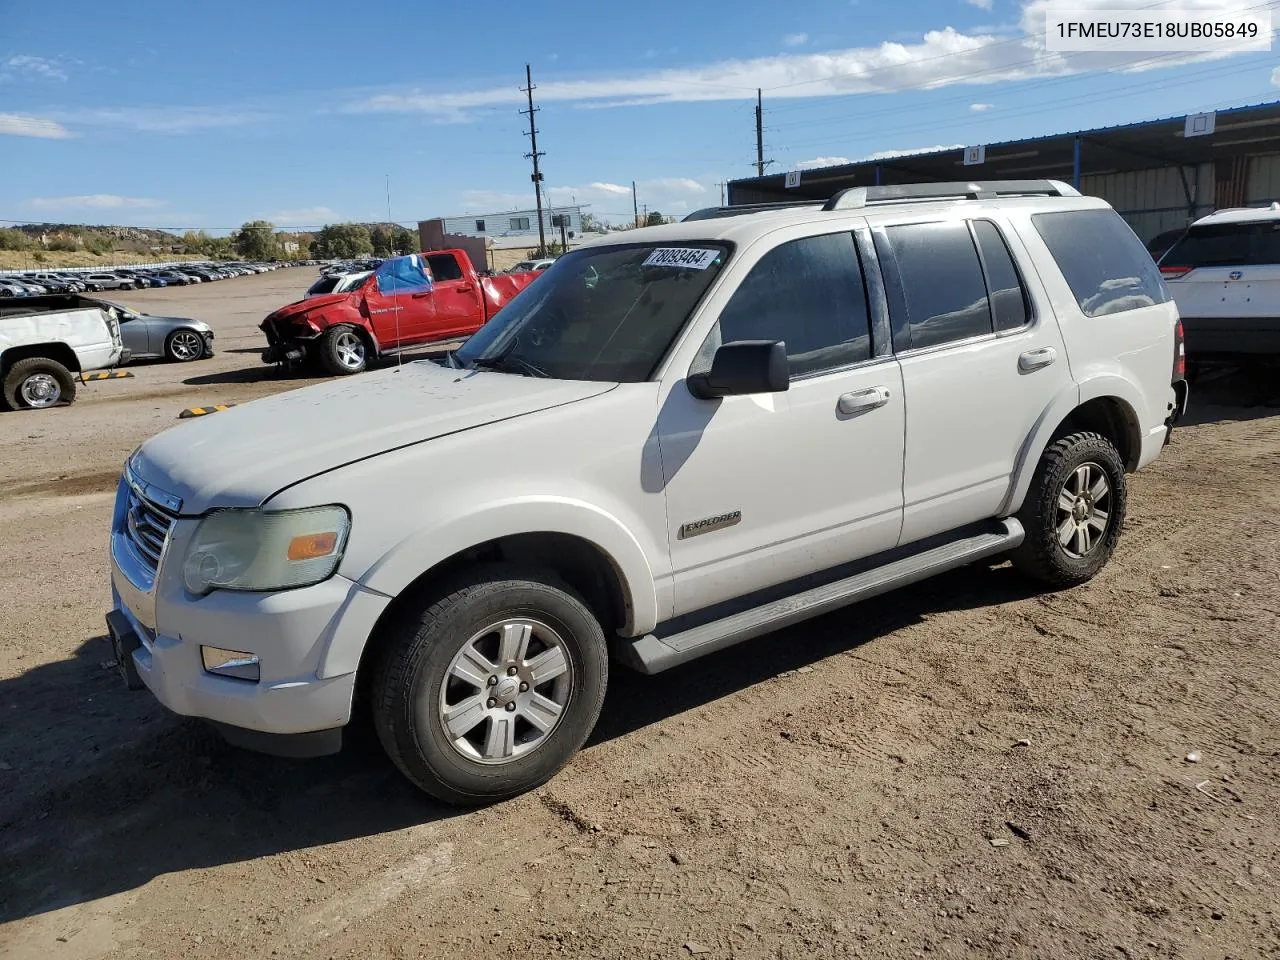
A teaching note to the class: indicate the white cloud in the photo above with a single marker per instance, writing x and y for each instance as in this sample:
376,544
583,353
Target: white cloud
822,162
41,68
1275,77
939,58
616,189
980,107
22,125
795,39
176,119
981,4
94,201
910,151
303,216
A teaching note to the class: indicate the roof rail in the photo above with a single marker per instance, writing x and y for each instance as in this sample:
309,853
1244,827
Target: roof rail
854,197
713,213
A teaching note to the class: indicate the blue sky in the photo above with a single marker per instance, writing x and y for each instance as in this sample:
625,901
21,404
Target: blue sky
201,115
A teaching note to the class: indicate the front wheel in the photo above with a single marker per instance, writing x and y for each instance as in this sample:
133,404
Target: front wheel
487,692
342,351
1073,512
183,346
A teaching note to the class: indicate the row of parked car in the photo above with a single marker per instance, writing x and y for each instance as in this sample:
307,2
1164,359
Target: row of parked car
35,283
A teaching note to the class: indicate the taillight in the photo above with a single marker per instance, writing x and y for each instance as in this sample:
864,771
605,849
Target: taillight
1171,273
1179,354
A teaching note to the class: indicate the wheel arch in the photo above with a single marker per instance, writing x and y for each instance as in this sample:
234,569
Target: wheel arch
53,350
1106,407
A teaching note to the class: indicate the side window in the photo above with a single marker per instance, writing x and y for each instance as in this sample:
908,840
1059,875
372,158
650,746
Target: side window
942,286
479,226
809,294
444,267
1104,263
1008,300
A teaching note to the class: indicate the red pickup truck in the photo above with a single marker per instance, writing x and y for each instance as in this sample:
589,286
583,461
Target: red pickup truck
408,301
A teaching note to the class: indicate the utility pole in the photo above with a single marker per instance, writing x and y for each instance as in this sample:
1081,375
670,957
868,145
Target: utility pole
534,153
635,207
759,133
721,185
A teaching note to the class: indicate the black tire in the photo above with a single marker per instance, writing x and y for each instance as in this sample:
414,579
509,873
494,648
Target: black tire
413,665
24,370
1042,554
334,357
172,355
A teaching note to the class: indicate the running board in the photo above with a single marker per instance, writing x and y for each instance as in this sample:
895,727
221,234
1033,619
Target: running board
650,654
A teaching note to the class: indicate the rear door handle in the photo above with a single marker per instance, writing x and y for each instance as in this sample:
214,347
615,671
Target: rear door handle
1035,359
862,400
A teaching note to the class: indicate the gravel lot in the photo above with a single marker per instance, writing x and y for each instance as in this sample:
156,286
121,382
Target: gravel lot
962,768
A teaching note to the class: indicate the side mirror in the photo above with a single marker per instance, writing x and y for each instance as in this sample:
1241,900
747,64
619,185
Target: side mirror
743,367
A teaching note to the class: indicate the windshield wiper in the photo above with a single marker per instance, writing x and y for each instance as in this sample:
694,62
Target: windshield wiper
503,360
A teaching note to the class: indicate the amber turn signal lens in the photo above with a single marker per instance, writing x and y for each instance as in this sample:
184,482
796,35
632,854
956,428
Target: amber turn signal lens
312,546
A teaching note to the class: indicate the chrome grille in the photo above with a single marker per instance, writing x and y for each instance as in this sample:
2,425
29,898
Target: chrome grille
147,525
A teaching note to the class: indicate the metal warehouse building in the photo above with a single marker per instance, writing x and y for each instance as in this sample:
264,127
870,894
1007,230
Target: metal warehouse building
1157,174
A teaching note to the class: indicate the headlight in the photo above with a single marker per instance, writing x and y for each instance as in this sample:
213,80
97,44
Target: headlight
266,550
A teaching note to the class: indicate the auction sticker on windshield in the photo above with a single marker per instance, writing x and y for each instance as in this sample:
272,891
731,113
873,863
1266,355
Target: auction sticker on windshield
689,257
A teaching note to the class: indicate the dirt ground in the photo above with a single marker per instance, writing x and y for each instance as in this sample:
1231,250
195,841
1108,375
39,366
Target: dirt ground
964,768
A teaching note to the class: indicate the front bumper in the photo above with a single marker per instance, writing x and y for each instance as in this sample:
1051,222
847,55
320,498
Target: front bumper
307,640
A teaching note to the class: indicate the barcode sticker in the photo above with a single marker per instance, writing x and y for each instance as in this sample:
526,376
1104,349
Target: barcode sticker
685,257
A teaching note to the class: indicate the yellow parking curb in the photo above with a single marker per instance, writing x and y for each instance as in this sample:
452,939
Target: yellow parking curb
105,375
202,411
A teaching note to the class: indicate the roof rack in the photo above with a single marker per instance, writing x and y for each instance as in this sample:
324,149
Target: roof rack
713,213
854,197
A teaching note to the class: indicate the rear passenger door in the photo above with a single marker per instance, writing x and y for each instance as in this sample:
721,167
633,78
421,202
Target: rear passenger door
979,365
457,298
765,488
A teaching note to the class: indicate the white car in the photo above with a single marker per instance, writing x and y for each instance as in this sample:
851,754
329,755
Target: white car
45,341
336,283
1224,273
532,266
674,441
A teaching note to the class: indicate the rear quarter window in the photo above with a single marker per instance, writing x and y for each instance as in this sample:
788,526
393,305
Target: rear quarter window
1104,263
1227,245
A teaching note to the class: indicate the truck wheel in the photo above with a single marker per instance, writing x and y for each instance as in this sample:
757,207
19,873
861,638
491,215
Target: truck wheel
342,351
487,692
36,383
1073,512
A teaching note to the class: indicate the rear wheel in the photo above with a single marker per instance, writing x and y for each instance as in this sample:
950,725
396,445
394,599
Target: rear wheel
1073,512
487,692
37,383
342,351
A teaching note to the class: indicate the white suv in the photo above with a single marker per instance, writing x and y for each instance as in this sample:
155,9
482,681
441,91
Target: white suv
676,439
1224,274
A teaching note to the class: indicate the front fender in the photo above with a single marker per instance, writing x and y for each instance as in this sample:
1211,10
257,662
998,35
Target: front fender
425,548
1071,397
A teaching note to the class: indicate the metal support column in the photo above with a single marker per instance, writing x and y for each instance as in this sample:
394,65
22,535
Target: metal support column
877,174
1075,165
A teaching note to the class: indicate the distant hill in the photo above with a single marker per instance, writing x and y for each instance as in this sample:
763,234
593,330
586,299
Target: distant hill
116,234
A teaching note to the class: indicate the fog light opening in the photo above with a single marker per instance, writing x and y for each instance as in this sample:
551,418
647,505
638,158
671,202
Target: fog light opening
231,663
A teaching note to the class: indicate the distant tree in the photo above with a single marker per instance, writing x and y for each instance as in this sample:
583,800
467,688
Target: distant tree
13,239
655,219
383,241
63,245
196,241
342,241
219,248
98,245
590,224
256,240
406,241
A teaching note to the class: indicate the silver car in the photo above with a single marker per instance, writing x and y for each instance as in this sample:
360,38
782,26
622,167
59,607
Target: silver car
170,338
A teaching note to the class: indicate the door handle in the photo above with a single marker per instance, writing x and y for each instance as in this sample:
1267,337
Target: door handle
420,296
1035,359
861,400
467,288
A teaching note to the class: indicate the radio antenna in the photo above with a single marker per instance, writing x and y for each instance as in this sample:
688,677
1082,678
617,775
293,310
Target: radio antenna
395,297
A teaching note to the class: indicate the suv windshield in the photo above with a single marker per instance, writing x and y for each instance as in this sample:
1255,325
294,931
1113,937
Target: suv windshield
1227,245
602,313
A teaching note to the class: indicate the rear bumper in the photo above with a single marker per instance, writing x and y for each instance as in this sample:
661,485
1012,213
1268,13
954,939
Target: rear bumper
1211,338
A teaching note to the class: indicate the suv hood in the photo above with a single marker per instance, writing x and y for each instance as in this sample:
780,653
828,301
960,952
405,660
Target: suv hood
241,456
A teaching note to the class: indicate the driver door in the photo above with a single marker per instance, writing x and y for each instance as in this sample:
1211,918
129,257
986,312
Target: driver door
400,302
762,489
